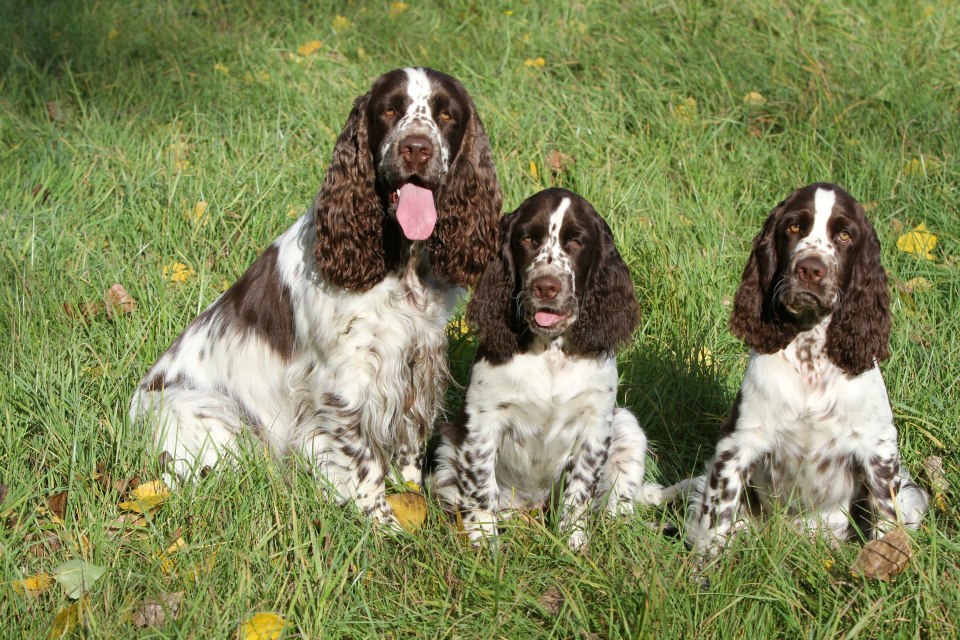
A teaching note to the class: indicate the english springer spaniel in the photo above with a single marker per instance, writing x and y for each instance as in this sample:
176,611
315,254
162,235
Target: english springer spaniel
811,428
332,345
539,422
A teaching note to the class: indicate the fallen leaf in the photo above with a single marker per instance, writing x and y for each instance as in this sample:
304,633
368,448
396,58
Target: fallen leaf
559,162
754,98
915,285
195,216
33,585
203,568
57,503
536,63
533,170
919,241
309,48
166,562
146,496
261,626
153,612
77,576
177,272
409,508
685,110
54,112
340,23
43,545
4,490
67,618
396,8
933,466
222,69
884,558
551,601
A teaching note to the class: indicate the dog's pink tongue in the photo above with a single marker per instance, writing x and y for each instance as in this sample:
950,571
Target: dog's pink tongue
416,212
547,319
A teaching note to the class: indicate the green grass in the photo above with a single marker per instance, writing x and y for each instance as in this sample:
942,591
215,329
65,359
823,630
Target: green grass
99,101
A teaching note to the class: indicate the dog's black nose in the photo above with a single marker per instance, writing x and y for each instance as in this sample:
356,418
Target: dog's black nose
545,287
811,270
416,151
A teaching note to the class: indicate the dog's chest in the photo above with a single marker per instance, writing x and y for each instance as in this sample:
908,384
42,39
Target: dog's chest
541,403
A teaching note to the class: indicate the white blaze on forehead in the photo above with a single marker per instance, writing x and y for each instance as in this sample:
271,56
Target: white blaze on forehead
556,220
551,250
418,87
823,202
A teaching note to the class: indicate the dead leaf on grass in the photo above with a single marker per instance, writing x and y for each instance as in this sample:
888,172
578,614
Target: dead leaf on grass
77,576
933,466
261,626
154,612
559,162
884,558
67,618
57,503
33,585
118,301
4,490
83,311
146,496
108,484
551,601
410,509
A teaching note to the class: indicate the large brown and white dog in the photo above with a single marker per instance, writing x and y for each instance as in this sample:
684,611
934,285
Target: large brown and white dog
331,346
811,429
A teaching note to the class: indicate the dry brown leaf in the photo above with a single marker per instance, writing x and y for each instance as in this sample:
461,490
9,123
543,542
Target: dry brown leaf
937,477
551,601
43,544
559,162
884,558
54,112
68,617
4,490
154,612
118,301
410,509
57,503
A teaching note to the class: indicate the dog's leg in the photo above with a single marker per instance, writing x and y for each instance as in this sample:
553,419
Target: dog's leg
475,464
710,522
582,477
894,497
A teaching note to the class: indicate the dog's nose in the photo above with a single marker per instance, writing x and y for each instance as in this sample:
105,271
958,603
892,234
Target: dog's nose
811,270
545,287
416,151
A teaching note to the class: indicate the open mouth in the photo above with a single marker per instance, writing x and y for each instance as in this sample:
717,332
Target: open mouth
548,319
415,210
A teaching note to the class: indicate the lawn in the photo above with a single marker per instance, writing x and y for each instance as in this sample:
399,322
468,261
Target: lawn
162,145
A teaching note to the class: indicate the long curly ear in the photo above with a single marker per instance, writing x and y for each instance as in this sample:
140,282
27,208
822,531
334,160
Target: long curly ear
609,312
470,203
859,331
347,210
491,311
754,318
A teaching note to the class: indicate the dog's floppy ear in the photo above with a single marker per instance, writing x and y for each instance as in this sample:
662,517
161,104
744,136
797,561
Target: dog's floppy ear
491,312
347,210
609,312
755,318
859,332
470,205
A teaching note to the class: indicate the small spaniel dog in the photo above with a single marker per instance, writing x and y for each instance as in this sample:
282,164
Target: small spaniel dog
811,428
332,345
539,424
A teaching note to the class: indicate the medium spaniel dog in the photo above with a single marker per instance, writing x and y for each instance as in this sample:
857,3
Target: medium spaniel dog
331,347
539,425
811,429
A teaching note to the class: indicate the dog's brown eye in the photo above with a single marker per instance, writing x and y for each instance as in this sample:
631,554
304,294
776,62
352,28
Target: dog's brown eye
528,242
390,113
573,245
445,116
794,229
844,236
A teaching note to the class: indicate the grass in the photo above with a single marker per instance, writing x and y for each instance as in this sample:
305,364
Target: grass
115,119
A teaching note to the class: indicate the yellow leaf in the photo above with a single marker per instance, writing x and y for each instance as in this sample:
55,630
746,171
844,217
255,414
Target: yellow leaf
754,98
340,23
67,618
177,272
146,497
533,170
409,508
114,33
195,215
828,564
294,212
918,241
221,69
309,48
166,562
396,8
508,12
537,62
685,111
33,585
261,626
199,572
